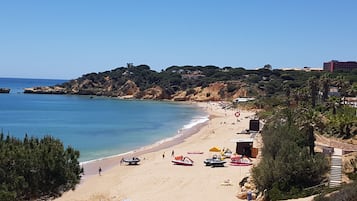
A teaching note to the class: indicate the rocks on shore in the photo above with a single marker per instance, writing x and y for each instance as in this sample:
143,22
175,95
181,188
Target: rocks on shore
45,90
248,187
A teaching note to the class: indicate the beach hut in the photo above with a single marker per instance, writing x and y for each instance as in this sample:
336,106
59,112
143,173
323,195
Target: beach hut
244,146
327,150
254,125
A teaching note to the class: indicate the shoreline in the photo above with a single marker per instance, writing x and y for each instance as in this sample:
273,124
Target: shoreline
106,163
157,179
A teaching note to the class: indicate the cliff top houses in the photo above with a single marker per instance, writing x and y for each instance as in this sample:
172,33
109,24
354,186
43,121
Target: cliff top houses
335,65
330,66
307,69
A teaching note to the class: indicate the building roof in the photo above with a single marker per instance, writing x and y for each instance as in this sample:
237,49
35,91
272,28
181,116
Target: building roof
242,140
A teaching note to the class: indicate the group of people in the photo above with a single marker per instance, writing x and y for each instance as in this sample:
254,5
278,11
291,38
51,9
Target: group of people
172,154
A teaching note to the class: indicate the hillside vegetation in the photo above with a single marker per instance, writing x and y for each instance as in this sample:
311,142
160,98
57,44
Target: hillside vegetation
290,167
197,83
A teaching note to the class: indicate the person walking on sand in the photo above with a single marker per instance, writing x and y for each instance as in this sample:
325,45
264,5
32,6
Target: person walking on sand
100,171
121,161
163,155
249,195
172,153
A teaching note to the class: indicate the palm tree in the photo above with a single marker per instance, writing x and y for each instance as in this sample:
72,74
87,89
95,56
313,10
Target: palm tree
352,91
312,84
300,95
342,123
309,120
333,103
325,82
342,85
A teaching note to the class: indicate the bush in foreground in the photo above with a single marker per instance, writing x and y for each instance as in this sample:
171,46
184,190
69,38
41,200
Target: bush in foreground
33,168
288,166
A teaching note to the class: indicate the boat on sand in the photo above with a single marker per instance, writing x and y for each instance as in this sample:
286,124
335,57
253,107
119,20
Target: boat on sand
214,162
131,161
227,153
240,161
181,160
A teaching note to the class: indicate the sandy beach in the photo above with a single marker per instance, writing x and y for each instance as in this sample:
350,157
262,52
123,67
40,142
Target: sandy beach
157,179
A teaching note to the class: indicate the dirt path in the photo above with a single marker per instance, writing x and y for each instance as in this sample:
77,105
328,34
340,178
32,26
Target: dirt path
322,140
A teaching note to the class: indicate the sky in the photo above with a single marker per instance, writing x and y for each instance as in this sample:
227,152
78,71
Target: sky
65,39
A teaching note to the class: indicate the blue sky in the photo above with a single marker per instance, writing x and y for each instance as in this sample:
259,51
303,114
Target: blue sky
68,38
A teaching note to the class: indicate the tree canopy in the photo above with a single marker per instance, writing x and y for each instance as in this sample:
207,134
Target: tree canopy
288,165
34,168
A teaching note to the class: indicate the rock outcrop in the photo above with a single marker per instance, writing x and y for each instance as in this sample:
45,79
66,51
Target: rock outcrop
4,90
247,186
128,89
154,93
350,162
45,90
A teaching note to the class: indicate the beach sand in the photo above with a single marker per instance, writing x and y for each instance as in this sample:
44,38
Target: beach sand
157,179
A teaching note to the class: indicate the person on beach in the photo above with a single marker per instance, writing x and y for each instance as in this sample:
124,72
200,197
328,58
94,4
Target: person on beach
82,170
249,195
100,171
121,161
163,155
172,153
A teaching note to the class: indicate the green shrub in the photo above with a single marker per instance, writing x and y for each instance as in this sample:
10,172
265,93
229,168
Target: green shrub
287,165
35,168
231,87
190,91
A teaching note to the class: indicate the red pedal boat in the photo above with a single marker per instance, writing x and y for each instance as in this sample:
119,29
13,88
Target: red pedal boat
180,160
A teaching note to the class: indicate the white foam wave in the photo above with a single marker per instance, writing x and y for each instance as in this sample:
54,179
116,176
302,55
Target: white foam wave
107,157
195,121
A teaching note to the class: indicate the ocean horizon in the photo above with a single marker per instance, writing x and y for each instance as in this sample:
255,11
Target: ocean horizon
98,127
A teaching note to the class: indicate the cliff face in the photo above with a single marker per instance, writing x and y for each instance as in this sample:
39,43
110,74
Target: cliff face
214,92
154,93
127,89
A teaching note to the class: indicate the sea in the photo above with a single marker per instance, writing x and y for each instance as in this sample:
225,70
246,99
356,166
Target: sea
98,127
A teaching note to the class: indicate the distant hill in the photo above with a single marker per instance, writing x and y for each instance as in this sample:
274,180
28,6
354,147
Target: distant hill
181,83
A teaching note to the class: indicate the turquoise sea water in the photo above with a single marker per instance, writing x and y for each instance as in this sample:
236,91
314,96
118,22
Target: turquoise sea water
98,127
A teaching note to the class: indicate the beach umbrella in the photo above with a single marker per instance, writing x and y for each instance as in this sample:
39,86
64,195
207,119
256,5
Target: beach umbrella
215,149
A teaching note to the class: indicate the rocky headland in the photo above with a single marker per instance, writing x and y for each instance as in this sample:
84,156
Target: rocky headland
139,82
214,92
